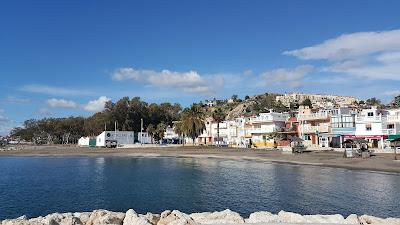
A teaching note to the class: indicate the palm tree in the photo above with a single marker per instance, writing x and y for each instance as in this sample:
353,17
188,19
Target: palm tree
193,121
178,129
151,130
276,136
218,116
160,131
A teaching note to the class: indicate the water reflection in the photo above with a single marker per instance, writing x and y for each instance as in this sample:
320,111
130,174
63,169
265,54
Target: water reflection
38,186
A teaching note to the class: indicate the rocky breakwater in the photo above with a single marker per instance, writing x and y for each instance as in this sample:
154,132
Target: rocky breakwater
175,217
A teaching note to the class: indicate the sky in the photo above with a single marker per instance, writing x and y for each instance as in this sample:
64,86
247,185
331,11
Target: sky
67,58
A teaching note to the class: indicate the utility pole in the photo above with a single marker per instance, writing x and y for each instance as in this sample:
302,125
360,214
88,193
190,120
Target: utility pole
141,131
115,130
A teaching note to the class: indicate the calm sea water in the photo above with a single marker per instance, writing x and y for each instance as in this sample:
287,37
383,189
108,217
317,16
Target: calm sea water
35,186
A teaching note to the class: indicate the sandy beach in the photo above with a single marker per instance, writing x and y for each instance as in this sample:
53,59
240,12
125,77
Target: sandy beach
379,162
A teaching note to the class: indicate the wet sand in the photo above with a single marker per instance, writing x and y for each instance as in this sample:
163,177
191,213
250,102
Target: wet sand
379,162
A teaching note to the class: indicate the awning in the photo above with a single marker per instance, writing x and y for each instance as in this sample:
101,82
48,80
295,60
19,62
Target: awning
394,137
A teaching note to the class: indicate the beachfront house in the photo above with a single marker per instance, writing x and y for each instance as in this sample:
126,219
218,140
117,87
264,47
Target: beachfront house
313,125
371,125
263,125
122,137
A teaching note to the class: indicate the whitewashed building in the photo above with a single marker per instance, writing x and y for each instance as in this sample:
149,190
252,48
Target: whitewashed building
371,125
264,124
122,137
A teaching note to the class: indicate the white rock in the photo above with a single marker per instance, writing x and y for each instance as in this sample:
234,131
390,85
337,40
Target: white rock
226,216
352,219
175,218
101,217
17,222
392,221
262,217
152,218
366,219
338,219
289,217
132,218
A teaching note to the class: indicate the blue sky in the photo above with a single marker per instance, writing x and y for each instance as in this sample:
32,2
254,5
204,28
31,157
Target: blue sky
61,58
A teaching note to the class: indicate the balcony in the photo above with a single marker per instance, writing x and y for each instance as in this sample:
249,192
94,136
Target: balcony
306,128
313,116
393,118
389,131
369,119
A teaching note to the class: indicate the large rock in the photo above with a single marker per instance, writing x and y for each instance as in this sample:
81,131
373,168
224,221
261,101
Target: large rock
226,216
175,218
366,219
338,219
63,219
152,218
132,218
101,217
262,217
18,221
352,219
289,217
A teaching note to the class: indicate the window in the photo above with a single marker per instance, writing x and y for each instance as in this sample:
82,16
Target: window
307,137
390,126
370,114
368,127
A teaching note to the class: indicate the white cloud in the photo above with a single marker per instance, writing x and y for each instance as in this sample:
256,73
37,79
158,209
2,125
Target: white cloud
96,105
291,77
6,124
17,100
392,93
372,55
188,82
56,91
350,46
62,103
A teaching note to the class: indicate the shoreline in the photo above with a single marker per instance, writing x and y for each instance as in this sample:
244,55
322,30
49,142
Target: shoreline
176,217
382,162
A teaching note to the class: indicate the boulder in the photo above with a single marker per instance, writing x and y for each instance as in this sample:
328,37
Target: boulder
336,219
289,217
101,217
152,218
262,217
175,218
366,219
18,221
352,219
226,216
132,218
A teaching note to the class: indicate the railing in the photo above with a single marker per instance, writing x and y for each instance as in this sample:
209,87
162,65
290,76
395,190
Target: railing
312,116
313,129
393,118
389,131
370,118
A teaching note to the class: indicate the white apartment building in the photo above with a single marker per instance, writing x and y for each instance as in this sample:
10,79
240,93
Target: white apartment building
264,124
371,125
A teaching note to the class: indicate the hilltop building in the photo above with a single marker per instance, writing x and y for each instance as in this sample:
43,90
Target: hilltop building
318,100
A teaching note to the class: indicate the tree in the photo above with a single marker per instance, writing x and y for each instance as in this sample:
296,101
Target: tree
246,97
178,129
160,131
373,102
218,116
307,102
151,130
193,121
276,136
